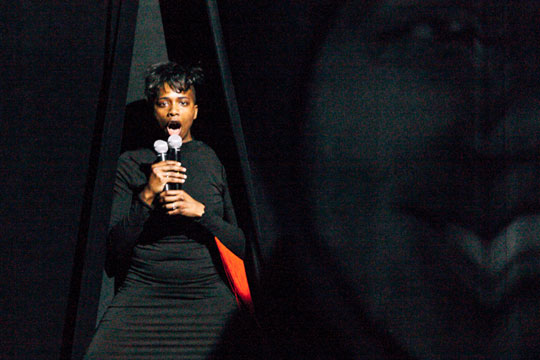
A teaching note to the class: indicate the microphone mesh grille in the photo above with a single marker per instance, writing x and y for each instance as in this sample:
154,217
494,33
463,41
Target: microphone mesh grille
175,141
161,146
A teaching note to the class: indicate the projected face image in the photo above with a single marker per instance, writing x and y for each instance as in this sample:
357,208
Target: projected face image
423,135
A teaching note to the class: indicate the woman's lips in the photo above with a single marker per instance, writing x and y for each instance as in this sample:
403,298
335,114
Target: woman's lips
492,270
495,269
484,197
519,237
174,128
488,220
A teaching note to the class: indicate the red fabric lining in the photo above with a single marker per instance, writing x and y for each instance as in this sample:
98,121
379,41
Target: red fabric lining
236,273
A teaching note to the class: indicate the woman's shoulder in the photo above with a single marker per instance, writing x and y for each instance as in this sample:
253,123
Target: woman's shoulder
202,149
136,157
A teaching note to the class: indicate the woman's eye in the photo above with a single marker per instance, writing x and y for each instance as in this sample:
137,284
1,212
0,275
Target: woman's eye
422,32
161,104
457,32
433,43
431,30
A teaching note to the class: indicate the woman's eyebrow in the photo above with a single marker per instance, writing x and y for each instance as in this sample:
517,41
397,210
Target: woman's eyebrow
401,11
391,7
177,97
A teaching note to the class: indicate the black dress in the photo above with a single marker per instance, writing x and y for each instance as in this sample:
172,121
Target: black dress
173,302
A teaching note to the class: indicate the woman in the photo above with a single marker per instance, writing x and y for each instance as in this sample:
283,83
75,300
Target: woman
173,302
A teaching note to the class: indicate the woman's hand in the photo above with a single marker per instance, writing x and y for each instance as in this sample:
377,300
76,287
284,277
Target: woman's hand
179,202
163,172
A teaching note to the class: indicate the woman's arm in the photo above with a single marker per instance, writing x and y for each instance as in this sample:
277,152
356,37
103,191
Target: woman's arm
129,212
179,202
226,229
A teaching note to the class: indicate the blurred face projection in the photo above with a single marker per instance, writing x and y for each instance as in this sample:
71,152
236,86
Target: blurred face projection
175,111
423,135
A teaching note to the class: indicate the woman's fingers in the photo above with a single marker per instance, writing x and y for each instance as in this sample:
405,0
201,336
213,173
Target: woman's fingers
173,177
170,196
173,207
168,166
169,171
179,202
175,198
165,172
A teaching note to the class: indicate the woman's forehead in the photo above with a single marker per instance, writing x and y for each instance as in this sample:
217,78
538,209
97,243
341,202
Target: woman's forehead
167,89
478,6
518,18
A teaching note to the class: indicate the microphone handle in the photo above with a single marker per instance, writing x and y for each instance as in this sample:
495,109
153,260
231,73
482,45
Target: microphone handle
163,157
174,154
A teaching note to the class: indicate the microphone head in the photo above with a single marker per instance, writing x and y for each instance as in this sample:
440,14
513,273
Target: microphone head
160,146
175,141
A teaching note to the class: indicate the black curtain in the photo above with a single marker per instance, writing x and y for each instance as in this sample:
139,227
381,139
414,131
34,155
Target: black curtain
65,72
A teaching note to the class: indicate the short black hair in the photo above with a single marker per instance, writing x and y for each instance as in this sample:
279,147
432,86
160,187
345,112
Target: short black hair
180,78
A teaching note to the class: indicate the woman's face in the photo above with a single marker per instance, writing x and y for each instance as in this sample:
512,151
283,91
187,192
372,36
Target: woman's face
423,138
175,111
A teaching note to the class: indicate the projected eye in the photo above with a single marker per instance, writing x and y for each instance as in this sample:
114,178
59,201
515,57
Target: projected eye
455,31
435,30
422,32
439,43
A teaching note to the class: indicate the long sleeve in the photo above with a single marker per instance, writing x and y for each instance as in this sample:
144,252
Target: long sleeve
225,228
129,214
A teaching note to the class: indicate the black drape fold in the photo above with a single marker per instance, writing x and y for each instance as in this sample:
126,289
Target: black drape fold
90,249
253,253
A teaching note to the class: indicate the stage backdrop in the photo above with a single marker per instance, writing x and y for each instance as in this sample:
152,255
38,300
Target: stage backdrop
65,67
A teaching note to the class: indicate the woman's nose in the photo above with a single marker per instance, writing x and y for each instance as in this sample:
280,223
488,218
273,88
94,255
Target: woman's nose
507,70
174,109
494,83
507,98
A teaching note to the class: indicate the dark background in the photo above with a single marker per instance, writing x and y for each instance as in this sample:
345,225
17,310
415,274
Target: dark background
66,69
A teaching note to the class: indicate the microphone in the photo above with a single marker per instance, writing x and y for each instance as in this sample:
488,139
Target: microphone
161,149
175,142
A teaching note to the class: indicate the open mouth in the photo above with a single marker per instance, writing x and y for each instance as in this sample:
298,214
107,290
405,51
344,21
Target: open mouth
174,127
